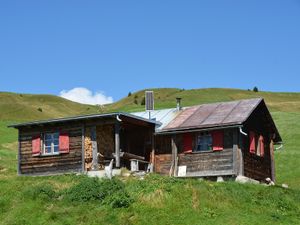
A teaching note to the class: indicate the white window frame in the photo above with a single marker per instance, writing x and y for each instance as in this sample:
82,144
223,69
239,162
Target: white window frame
52,145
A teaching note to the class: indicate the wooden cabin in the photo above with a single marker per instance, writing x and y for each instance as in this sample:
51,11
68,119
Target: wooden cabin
225,139
209,140
83,143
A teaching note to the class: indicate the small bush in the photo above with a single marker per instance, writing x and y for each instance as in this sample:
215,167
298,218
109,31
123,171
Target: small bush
255,89
120,199
40,109
129,94
135,101
41,191
87,189
108,192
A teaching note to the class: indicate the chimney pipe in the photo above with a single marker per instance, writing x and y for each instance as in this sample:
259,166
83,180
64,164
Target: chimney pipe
178,104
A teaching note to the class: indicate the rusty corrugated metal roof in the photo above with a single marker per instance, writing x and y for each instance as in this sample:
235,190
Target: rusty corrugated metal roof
214,114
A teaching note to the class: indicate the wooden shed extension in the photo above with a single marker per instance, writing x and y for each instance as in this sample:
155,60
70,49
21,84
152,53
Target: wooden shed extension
231,123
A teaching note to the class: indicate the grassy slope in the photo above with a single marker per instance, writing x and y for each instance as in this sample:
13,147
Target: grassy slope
165,98
20,107
158,200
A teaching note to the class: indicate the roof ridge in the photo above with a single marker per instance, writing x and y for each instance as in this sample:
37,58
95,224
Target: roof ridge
237,100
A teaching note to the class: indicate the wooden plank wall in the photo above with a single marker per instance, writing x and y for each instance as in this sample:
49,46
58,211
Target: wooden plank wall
256,167
163,163
199,164
38,165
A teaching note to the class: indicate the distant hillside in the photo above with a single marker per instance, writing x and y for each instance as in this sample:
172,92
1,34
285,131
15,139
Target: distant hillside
20,107
165,98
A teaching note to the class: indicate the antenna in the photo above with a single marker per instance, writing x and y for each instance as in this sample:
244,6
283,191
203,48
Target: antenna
149,99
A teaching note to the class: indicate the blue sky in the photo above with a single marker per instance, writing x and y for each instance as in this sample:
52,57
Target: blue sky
115,47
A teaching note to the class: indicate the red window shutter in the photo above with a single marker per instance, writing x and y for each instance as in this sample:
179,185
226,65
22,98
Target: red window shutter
217,140
36,145
262,145
64,143
252,142
187,143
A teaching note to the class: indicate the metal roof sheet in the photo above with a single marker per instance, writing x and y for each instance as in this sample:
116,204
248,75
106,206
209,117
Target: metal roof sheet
214,114
163,116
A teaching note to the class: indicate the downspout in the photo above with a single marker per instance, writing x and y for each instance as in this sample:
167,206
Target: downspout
117,141
280,147
118,118
242,132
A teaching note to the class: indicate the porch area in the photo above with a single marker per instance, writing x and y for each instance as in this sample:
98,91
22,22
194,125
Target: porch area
121,142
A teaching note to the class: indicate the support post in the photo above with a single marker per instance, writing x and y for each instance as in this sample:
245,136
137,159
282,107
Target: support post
273,178
152,154
19,154
174,157
82,149
241,162
235,163
94,148
117,144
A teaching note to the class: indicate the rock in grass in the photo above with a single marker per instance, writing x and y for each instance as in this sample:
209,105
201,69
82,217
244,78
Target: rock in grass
220,179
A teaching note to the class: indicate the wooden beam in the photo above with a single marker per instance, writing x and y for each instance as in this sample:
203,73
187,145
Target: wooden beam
210,173
152,154
273,178
19,154
174,157
117,144
241,162
235,160
82,149
95,148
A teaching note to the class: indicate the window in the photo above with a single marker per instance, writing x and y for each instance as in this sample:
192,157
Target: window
204,142
51,144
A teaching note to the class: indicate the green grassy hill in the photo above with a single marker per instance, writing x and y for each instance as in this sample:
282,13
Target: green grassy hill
165,98
156,200
21,107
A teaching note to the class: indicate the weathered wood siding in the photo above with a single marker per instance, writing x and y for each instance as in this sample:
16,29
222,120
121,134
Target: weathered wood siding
212,163
38,165
162,164
256,167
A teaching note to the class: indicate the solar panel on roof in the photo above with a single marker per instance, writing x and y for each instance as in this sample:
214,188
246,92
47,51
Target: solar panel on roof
149,99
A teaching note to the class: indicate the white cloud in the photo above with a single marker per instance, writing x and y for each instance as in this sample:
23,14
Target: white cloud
85,96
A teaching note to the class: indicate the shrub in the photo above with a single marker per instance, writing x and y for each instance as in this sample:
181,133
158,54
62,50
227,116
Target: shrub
87,189
40,109
41,191
135,101
120,199
109,187
129,94
108,192
255,89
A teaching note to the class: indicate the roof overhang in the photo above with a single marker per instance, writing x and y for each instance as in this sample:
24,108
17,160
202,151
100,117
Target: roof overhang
196,129
83,118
